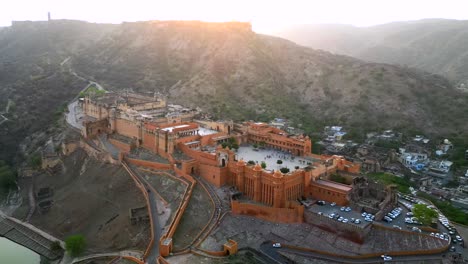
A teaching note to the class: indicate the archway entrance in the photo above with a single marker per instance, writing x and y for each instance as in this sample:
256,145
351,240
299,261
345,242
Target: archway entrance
223,163
193,170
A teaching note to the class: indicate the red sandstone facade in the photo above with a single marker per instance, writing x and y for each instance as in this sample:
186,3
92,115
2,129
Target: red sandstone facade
163,133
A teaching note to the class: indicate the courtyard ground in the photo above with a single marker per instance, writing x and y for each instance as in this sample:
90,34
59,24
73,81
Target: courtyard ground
93,199
270,157
194,219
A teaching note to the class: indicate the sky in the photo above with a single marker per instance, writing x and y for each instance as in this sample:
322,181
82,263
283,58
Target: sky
265,16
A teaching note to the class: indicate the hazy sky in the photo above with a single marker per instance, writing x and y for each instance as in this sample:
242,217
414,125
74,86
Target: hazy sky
265,15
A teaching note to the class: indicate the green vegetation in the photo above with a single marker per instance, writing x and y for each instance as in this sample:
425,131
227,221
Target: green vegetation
453,213
232,144
35,161
279,162
60,111
424,213
317,148
460,145
338,178
7,176
390,144
92,91
263,164
387,179
75,245
284,170
251,162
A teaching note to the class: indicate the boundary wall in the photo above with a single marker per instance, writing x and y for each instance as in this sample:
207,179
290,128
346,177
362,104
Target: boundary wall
268,213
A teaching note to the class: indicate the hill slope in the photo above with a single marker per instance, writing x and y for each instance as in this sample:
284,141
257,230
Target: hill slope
228,70
434,45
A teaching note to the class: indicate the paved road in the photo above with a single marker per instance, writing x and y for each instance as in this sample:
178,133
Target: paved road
273,253
74,115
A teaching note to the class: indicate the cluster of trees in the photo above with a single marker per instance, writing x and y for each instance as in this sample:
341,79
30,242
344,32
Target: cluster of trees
451,212
7,176
232,144
424,213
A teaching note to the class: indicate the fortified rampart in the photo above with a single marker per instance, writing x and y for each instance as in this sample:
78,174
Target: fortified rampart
350,231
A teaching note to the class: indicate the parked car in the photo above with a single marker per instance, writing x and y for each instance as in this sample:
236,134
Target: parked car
386,257
321,202
333,204
357,221
276,245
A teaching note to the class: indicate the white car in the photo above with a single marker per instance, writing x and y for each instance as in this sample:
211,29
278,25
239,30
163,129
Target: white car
345,220
276,245
386,257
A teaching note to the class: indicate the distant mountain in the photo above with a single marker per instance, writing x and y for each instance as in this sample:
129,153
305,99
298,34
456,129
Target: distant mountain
434,45
226,69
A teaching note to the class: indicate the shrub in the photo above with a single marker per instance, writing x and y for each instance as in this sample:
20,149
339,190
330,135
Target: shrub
75,245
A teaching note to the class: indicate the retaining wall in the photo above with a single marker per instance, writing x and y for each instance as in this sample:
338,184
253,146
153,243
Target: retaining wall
272,214
149,164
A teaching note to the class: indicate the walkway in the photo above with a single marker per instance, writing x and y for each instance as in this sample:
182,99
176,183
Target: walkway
28,236
109,147
153,210
125,253
218,210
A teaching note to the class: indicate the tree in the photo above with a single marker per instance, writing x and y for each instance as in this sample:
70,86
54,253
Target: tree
284,170
279,162
263,164
35,161
7,176
75,245
424,213
255,146
251,162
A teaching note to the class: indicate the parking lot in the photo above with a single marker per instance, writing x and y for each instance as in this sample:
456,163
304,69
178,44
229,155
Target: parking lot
328,209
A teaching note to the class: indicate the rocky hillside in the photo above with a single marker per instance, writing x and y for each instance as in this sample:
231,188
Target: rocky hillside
232,72
434,45
226,69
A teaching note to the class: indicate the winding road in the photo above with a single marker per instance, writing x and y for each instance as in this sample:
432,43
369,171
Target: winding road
274,254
